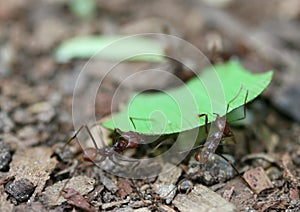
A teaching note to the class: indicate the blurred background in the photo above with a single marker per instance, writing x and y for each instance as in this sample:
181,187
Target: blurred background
262,34
36,85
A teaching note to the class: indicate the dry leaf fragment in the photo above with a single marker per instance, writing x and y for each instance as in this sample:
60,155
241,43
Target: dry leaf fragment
294,194
124,188
73,197
257,179
34,164
289,170
51,196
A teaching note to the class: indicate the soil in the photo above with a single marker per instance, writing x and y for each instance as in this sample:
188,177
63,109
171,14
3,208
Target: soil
39,173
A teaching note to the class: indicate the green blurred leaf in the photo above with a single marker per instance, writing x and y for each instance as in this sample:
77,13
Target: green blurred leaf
110,48
85,9
176,110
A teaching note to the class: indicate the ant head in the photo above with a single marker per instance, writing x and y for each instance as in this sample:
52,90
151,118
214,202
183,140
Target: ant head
120,144
90,154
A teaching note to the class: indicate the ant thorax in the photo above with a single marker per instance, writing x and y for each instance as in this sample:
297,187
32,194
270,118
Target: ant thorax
220,123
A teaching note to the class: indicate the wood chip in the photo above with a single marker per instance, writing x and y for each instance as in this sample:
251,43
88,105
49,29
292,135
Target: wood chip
257,179
108,183
82,184
202,199
142,210
228,193
165,208
34,164
114,204
169,174
289,170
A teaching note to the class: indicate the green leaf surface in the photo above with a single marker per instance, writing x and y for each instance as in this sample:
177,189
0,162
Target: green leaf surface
177,110
112,48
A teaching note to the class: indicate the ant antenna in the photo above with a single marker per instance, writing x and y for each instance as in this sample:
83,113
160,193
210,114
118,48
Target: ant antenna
78,131
143,119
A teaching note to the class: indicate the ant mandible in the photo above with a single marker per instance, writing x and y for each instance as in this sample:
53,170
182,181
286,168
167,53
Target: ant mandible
221,130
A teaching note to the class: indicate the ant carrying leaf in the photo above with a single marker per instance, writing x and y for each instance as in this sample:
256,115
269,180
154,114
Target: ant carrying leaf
220,129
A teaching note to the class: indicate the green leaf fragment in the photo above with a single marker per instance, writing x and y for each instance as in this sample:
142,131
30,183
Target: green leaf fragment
176,110
110,48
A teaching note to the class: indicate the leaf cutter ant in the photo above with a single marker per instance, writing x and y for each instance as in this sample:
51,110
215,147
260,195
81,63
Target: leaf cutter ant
120,142
221,130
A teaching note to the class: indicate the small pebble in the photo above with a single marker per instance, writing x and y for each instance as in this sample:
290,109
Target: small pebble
185,186
21,189
167,192
215,170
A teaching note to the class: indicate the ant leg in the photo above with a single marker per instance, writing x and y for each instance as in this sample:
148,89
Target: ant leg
178,188
74,136
206,121
234,98
92,137
135,162
101,133
193,149
115,158
235,169
90,134
244,115
169,140
95,124
131,119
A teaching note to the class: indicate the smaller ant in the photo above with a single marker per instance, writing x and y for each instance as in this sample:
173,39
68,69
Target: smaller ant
221,130
121,141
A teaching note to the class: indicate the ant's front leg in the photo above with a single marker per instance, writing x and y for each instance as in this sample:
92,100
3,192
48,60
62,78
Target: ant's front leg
206,121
